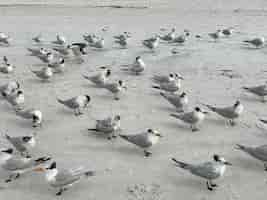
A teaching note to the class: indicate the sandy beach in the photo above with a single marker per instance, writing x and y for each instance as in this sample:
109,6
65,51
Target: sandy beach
127,175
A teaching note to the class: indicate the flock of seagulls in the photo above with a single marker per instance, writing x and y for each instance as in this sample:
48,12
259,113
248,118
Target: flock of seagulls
17,159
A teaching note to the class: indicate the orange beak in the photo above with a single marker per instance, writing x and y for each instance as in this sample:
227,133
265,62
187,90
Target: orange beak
39,169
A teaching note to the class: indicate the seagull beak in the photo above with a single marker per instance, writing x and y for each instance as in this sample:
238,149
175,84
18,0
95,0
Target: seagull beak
228,163
181,78
39,169
205,112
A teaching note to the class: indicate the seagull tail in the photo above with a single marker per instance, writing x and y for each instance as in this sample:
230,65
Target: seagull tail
245,88
243,148
212,108
92,129
162,94
60,101
246,41
180,164
124,137
175,116
89,173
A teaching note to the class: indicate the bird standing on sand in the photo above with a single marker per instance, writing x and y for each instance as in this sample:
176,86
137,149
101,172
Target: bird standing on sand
9,88
22,143
179,101
259,90
18,165
256,42
231,112
99,79
260,152
151,43
207,170
144,140
33,114
65,178
44,74
76,103
194,118
115,88
216,35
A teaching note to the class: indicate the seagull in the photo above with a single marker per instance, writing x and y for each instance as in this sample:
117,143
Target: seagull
76,103
45,73
115,88
34,114
63,179
181,38
99,44
123,36
81,47
178,101
22,143
259,90
216,35
99,79
163,78
151,43
46,57
9,88
38,51
257,42
122,42
7,68
171,86
230,112
18,165
137,67
259,152
169,36
60,40
90,38
108,126
58,67
194,118
16,99
144,140
4,38
228,31
207,170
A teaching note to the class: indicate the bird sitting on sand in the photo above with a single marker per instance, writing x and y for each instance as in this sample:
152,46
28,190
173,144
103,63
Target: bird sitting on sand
108,126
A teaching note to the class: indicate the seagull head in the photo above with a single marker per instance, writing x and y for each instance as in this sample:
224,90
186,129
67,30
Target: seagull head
220,159
198,110
108,72
154,132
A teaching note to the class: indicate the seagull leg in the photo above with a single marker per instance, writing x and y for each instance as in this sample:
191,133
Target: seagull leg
194,128
147,153
232,122
265,166
208,186
263,100
9,178
213,184
17,176
61,190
